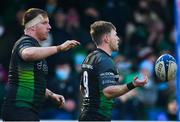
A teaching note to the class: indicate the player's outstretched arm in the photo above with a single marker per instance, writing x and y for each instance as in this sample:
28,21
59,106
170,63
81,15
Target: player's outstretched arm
38,53
118,90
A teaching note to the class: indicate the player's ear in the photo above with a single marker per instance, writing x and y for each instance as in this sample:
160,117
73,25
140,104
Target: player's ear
106,38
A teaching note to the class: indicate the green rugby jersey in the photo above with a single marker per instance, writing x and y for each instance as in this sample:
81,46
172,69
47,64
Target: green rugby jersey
98,72
27,79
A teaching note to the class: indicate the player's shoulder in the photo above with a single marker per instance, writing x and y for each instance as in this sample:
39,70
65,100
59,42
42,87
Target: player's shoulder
97,54
100,53
102,57
25,39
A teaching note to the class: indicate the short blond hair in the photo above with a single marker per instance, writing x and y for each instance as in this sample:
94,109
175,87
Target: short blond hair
99,28
32,13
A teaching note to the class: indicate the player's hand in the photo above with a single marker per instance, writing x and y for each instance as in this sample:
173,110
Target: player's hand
67,45
140,82
59,100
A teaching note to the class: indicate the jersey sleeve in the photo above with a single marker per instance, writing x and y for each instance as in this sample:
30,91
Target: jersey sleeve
24,44
108,75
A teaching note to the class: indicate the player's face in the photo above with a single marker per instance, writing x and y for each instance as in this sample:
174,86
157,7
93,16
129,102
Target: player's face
114,41
42,29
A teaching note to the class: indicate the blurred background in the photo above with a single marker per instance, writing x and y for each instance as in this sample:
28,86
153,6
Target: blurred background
146,28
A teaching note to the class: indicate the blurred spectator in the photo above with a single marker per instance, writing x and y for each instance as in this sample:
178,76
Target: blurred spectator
78,58
74,27
114,11
123,64
59,24
148,94
90,14
2,28
124,105
3,75
66,83
157,39
172,108
6,43
51,6
3,81
59,35
2,42
18,28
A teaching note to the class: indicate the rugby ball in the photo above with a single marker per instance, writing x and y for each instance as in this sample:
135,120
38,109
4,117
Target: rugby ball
166,67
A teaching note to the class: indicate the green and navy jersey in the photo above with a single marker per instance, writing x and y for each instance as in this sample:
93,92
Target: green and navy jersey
27,79
98,72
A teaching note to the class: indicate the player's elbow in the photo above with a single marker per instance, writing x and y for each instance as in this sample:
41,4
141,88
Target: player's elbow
108,93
